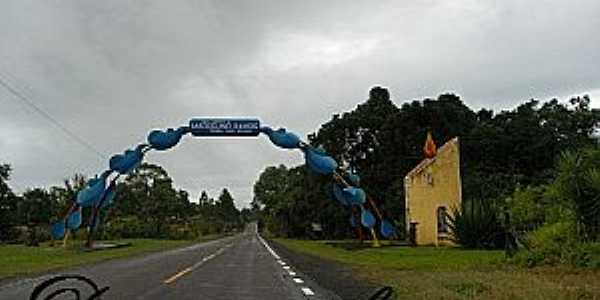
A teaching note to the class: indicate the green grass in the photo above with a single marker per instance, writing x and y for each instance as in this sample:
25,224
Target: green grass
453,273
16,260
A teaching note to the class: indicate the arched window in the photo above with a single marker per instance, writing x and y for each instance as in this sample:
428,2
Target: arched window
442,219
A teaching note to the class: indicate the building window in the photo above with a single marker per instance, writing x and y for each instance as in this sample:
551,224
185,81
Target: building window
442,219
429,178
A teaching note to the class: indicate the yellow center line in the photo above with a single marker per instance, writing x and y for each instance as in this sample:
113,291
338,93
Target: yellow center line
189,269
174,277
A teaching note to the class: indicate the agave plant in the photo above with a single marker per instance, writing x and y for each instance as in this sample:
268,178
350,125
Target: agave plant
475,225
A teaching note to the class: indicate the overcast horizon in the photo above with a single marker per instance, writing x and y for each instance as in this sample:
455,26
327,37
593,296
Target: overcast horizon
111,71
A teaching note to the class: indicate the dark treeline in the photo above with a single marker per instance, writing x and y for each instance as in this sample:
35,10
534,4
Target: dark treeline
147,205
500,152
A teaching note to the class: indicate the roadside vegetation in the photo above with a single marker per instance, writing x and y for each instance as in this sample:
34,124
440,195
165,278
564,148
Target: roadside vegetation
18,259
454,273
149,214
530,176
147,206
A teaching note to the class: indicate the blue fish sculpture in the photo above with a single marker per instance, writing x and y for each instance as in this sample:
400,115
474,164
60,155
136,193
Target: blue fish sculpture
92,192
366,218
354,195
319,162
110,194
338,194
125,163
58,230
163,140
74,220
282,138
387,229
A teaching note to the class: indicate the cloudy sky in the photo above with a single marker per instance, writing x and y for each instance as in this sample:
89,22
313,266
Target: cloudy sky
110,71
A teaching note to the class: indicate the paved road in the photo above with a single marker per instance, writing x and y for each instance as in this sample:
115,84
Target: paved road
239,267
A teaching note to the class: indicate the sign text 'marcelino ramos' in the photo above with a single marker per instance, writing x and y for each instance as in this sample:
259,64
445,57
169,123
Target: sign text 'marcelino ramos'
224,127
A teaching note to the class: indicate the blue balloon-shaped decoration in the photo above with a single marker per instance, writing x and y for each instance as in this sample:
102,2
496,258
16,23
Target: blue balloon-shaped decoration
282,138
354,195
319,162
163,140
58,230
92,192
74,220
110,194
125,163
339,195
387,229
366,218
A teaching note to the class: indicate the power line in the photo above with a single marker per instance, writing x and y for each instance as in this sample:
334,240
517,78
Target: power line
47,116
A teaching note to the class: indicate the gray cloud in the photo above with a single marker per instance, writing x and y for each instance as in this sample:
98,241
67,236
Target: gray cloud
112,70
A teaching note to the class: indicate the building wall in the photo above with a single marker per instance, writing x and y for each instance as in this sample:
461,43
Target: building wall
433,183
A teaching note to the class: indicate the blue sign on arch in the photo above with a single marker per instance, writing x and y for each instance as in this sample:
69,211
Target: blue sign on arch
224,127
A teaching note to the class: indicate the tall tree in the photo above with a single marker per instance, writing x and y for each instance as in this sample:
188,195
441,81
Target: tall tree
37,206
148,193
499,151
8,205
227,211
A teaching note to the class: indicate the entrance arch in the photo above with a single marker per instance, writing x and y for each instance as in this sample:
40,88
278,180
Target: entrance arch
99,192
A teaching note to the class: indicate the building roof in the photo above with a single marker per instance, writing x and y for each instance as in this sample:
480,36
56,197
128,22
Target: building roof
428,161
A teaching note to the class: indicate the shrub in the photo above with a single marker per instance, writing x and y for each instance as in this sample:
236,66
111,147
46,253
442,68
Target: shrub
476,225
526,208
558,243
179,232
125,227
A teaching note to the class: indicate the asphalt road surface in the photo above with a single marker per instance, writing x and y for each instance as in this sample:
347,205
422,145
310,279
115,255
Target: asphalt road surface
238,267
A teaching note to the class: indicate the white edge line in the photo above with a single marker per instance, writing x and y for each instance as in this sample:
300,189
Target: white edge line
306,291
268,248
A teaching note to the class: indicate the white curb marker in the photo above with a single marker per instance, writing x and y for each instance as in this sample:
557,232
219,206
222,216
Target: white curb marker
307,291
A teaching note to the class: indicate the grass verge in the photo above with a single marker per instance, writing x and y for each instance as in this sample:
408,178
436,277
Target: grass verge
17,260
452,273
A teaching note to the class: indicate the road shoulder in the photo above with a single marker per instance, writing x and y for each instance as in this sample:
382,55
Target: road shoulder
335,277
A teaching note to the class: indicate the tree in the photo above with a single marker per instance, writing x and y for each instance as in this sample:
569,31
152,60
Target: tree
37,206
270,186
148,193
228,213
203,200
8,205
499,151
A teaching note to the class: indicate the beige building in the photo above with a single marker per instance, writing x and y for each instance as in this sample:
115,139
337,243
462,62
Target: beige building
432,190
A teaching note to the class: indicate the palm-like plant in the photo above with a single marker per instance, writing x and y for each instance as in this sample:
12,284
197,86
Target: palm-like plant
578,184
